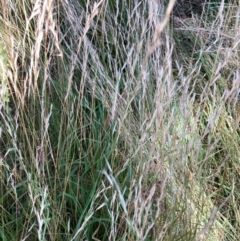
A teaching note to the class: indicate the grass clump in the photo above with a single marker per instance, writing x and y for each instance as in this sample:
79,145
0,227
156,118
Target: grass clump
119,120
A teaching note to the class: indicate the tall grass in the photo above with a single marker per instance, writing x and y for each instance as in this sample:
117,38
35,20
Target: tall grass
119,120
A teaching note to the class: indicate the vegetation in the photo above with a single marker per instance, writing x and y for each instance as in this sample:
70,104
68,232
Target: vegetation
119,120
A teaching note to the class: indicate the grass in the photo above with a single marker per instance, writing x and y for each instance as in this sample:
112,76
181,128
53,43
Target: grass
119,120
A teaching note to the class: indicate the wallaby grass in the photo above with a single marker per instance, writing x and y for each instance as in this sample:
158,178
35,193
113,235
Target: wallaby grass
119,121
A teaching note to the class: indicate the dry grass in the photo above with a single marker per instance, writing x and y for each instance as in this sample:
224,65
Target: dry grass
119,121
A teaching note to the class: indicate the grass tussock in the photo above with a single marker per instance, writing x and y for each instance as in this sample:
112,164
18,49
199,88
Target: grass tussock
119,120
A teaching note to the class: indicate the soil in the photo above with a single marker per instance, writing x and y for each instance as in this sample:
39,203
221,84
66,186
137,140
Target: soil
185,8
